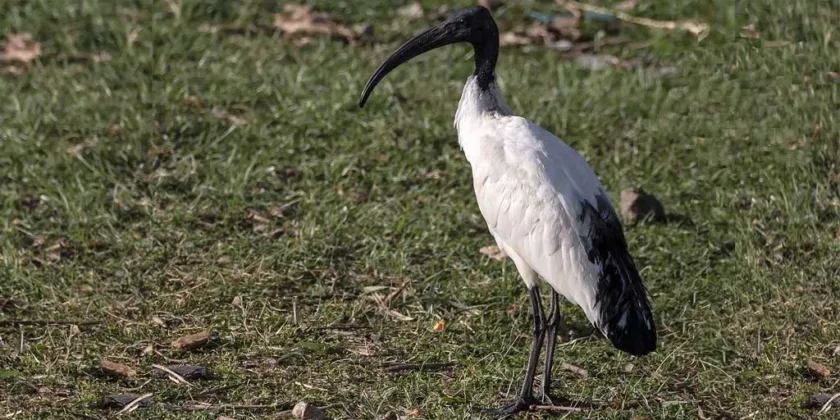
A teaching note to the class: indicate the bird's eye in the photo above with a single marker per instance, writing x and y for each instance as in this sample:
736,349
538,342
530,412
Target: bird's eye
462,22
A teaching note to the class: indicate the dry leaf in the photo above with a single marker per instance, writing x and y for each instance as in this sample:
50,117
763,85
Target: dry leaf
237,301
122,400
233,119
411,11
493,252
156,319
192,341
300,19
116,369
363,351
184,371
836,351
149,349
749,31
20,48
79,149
439,325
818,370
257,216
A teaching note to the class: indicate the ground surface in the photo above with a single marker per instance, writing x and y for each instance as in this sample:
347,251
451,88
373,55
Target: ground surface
226,182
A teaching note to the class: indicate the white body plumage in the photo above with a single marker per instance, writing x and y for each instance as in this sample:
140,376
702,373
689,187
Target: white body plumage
542,203
546,208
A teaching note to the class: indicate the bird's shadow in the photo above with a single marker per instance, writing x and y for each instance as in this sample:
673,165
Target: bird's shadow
560,407
669,219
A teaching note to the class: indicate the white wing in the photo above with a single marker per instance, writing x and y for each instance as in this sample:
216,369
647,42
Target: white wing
546,208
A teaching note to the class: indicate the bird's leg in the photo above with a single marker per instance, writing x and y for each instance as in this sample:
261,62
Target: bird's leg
526,395
552,325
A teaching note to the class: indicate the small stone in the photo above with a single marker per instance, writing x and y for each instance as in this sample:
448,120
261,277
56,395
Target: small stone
306,411
192,341
116,369
185,371
639,206
818,370
817,401
628,368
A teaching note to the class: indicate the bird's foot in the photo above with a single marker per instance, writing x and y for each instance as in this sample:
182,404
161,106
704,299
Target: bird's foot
521,404
547,399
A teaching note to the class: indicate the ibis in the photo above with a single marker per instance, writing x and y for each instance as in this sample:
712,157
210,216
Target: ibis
543,204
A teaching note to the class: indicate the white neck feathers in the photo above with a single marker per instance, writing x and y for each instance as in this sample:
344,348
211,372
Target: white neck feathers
476,103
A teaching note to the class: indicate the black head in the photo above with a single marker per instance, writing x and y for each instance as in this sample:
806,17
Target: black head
473,25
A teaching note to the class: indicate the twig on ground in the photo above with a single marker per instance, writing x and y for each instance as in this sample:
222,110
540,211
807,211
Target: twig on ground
41,323
829,403
556,408
700,30
387,300
420,366
218,407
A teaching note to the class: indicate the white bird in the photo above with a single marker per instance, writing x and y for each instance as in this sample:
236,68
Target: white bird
542,203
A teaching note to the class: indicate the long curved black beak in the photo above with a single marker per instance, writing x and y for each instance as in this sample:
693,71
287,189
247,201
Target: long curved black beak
441,35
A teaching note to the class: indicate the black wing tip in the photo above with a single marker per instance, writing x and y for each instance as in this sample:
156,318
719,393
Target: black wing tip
636,346
637,336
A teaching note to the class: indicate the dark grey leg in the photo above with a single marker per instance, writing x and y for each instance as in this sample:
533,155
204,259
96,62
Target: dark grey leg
526,395
553,325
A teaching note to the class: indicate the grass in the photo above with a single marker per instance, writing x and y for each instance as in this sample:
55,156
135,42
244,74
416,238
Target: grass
127,200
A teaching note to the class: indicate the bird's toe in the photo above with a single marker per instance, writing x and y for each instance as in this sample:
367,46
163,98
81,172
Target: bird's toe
506,411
